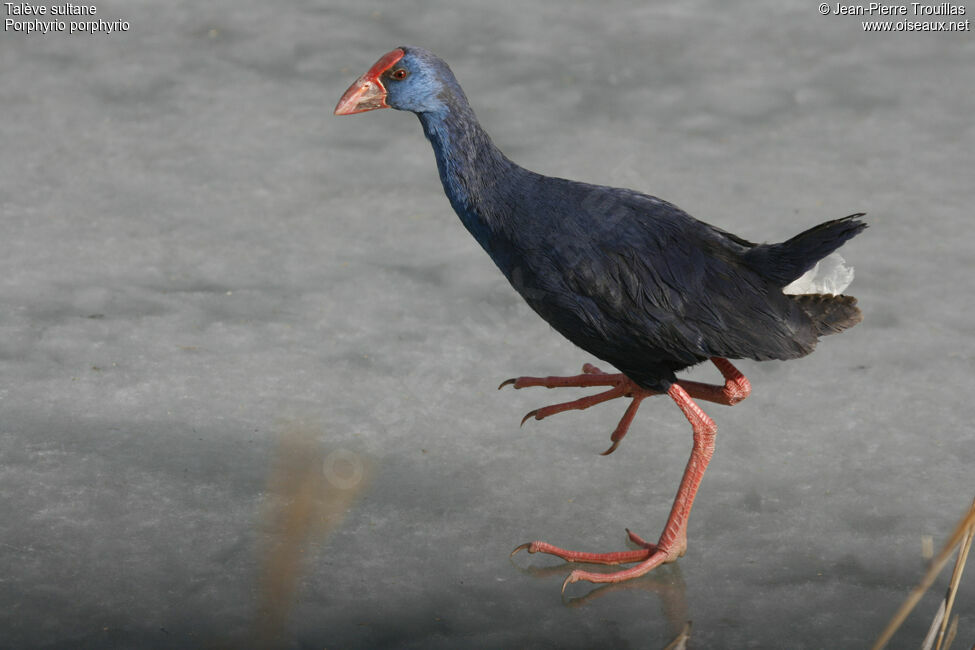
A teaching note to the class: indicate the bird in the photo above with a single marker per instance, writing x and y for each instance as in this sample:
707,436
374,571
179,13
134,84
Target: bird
627,277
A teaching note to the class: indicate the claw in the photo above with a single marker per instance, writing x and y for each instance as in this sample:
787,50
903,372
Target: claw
612,448
639,541
506,382
530,414
526,546
569,580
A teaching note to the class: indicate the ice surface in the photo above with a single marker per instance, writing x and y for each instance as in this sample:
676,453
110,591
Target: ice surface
249,355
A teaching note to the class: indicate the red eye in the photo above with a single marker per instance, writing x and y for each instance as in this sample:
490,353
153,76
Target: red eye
400,74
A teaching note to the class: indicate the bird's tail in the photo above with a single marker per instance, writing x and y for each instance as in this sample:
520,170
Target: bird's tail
830,314
785,262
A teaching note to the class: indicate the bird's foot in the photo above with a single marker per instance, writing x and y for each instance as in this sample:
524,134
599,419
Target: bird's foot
673,539
649,557
622,386
735,388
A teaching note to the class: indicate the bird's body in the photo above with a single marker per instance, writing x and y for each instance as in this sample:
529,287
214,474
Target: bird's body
630,278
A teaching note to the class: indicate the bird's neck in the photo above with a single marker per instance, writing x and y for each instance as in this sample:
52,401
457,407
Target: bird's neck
475,174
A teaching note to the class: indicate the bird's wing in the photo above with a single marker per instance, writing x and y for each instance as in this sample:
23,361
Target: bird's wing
656,281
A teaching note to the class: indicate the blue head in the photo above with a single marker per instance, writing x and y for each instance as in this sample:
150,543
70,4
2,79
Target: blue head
413,79
408,79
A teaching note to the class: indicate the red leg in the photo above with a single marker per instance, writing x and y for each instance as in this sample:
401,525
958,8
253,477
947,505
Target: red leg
673,541
735,389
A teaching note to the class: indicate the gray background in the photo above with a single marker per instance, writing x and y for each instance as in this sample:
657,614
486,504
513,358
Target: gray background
249,355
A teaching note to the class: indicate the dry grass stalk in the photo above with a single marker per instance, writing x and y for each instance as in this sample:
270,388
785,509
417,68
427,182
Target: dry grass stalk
960,536
966,546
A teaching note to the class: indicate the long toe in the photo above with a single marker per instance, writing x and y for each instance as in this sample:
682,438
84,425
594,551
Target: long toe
591,376
656,559
618,557
575,405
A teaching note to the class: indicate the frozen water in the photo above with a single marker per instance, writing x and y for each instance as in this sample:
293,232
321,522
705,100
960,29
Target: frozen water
249,355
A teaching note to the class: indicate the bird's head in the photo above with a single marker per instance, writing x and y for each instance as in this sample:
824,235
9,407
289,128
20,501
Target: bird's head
407,78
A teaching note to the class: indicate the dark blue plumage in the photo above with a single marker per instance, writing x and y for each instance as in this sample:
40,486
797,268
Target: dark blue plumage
630,278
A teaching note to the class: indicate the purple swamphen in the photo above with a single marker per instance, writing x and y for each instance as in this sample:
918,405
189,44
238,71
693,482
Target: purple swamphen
627,277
